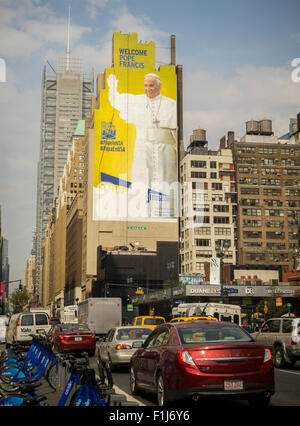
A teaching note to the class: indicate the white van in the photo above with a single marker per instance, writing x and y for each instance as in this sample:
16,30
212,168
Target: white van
22,325
2,330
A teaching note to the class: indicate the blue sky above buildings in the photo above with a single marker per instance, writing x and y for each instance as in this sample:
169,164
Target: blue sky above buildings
236,57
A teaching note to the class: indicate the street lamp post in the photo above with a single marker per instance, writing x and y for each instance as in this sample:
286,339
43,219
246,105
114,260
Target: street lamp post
171,267
221,251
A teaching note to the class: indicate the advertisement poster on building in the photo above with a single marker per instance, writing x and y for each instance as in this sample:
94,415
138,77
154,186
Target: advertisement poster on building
135,136
215,270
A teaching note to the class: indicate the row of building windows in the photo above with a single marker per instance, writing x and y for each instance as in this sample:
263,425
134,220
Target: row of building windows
266,150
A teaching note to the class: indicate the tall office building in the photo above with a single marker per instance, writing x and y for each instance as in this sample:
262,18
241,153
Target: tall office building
268,182
66,98
209,206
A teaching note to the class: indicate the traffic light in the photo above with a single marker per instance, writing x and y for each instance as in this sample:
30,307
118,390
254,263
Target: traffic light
20,287
107,291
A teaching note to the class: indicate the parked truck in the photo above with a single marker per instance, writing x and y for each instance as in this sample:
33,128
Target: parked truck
100,313
68,314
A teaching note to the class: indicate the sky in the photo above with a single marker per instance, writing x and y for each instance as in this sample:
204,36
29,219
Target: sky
239,61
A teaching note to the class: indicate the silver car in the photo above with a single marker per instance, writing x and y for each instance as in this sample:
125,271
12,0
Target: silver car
116,348
282,336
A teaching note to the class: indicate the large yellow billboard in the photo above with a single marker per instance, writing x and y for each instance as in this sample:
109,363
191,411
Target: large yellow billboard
135,136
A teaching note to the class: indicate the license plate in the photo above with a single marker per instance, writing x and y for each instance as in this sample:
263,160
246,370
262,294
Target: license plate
78,339
233,385
40,330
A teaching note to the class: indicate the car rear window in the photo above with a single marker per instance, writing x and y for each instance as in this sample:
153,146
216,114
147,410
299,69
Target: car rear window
74,327
153,321
213,334
133,333
27,319
41,319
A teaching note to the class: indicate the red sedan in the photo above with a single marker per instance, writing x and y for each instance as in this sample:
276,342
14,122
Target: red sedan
72,338
191,359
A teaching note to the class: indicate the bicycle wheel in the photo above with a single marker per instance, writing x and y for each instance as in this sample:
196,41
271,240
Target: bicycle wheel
52,376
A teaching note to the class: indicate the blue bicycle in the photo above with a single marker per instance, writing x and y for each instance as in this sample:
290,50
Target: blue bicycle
36,364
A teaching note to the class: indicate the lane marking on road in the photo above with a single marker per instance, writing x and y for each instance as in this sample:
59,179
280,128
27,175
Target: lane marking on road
291,372
128,396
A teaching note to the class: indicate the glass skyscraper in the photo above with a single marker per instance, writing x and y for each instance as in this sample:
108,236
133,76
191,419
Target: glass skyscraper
66,99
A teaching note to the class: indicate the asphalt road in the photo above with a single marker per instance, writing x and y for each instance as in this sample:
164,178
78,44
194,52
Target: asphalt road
287,389
287,382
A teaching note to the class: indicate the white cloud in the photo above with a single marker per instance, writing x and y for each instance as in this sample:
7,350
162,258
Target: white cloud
95,6
25,31
220,104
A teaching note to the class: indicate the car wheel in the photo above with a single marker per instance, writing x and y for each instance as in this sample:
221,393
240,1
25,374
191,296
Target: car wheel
112,366
132,382
259,401
279,360
162,394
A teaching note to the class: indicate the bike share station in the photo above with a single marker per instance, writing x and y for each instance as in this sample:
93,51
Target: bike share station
73,381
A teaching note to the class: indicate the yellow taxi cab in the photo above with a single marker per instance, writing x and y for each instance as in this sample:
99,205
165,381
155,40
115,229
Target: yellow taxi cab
179,319
150,321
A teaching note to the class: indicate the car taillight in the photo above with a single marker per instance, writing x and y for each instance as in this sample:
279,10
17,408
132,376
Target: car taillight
62,337
18,323
184,357
268,355
123,347
293,342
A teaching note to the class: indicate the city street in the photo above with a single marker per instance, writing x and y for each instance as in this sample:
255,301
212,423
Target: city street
287,389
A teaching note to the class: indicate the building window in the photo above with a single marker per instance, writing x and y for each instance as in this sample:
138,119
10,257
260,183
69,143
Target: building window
252,223
202,243
220,208
201,219
204,253
251,212
200,185
201,164
216,186
198,175
222,231
221,219
202,230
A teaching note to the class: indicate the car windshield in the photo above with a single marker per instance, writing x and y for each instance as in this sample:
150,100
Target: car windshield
153,321
133,333
74,327
217,333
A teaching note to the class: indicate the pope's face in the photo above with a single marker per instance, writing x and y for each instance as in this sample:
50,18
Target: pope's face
152,87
